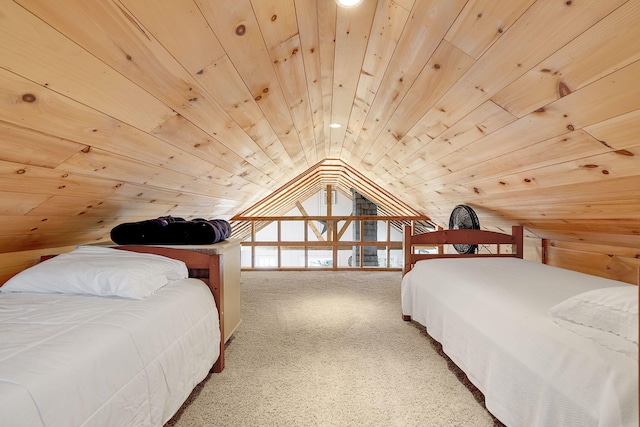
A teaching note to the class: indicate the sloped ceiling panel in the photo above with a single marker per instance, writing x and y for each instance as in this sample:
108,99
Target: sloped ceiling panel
121,110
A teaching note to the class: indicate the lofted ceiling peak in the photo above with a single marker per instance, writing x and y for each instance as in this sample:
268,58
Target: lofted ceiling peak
328,172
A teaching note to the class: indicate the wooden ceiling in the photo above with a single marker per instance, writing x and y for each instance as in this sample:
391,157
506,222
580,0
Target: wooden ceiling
122,110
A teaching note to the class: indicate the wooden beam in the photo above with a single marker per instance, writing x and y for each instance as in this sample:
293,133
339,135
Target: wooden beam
312,226
343,229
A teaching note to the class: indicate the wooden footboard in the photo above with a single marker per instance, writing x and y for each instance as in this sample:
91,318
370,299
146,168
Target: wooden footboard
460,236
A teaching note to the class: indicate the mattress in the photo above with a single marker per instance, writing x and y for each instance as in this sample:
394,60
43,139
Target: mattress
74,360
491,316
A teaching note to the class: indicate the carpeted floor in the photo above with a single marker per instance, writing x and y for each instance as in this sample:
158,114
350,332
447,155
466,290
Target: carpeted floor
330,349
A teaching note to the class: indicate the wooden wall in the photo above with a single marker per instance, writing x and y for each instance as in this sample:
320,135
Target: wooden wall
612,262
122,110
14,262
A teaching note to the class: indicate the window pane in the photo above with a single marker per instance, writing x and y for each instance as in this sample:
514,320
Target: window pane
396,234
425,249
269,233
382,230
266,256
345,258
396,258
245,256
292,231
292,257
320,257
347,233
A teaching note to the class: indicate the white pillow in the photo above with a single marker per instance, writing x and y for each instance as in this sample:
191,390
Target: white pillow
613,310
606,339
102,271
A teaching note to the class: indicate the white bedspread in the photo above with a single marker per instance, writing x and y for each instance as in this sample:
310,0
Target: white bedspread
70,360
491,316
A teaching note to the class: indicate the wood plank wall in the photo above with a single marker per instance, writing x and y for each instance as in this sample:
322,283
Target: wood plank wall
121,110
611,262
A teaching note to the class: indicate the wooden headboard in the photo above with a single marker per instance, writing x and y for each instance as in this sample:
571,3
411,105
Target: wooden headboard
460,236
207,268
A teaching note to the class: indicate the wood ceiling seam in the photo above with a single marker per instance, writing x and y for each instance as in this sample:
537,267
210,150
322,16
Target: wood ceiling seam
288,64
235,98
486,119
605,166
608,191
310,43
577,145
494,70
204,47
405,66
618,132
48,181
553,120
107,133
327,15
113,94
280,32
198,143
385,32
580,62
96,163
241,48
446,65
481,23
353,26
185,96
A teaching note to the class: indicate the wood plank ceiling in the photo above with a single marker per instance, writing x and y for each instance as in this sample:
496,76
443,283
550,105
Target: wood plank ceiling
122,110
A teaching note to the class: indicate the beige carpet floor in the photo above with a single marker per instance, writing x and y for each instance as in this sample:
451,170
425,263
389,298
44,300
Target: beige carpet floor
331,349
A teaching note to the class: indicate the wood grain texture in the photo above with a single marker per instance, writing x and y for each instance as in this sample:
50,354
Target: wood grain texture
580,62
116,110
387,27
352,36
599,260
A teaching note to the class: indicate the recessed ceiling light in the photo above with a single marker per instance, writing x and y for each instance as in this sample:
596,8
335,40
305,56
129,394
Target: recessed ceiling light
348,3
335,125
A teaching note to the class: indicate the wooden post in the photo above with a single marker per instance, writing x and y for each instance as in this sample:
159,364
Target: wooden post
440,248
279,248
518,232
407,249
253,248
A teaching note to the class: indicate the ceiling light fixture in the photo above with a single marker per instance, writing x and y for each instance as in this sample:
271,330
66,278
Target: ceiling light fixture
348,3
335,125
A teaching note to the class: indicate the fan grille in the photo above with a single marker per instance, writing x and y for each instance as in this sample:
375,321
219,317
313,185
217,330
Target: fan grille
463,217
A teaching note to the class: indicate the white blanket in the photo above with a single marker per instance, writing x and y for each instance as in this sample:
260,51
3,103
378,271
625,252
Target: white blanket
70,360
492,318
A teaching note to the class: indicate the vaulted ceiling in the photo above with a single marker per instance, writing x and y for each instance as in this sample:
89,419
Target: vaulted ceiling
336,174
121,110
328,174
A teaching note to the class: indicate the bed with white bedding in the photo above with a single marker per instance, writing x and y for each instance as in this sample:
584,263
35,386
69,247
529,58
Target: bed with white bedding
545,346
116,352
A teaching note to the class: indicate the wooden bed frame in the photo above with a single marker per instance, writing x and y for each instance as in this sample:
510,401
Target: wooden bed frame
459,236
207,268
449,321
